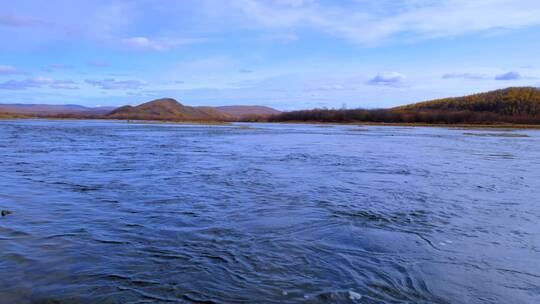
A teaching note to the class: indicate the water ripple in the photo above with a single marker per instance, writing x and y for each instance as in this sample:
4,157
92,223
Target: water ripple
123,213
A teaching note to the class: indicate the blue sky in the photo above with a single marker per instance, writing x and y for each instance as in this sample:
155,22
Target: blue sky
289,54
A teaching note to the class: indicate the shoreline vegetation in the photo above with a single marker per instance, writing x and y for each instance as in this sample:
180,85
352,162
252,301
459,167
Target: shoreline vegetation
511,108
499,126
403,124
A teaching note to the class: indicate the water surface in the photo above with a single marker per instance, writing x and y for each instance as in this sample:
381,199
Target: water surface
111,212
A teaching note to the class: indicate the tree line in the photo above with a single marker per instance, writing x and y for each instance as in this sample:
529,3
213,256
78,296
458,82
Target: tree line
512,105
398,116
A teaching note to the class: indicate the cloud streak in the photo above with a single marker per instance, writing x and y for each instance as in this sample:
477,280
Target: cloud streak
143,43
158,44
56,67
38,82
19,21
361,22
509,76
98,64
9,70
470,76
367,24
391,79
112,84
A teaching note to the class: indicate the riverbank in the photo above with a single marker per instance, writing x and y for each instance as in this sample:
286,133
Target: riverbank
198,122
356,123
167,122
457,126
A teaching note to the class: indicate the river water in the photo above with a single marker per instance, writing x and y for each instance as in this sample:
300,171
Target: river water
111,212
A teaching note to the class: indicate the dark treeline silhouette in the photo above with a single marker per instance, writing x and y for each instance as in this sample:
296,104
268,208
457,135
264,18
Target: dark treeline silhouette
400,116
512,105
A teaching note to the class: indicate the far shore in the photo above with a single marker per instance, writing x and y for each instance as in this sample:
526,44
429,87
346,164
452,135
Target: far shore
129,121
326,123
403,124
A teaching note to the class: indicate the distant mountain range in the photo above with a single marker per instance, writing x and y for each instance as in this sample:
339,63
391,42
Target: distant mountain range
517,105
159,109
45,109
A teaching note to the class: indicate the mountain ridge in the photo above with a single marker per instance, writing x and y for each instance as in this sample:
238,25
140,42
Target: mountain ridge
158,109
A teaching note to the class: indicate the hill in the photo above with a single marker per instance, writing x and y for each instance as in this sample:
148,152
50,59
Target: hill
52,110
170,109
511,105
514,101
167,109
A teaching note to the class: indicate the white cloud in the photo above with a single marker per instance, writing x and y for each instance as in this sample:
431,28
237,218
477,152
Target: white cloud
143,43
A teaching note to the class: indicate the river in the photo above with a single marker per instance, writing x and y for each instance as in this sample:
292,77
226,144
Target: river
115,212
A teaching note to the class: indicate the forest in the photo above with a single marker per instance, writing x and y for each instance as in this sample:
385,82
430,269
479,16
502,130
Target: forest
511,105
